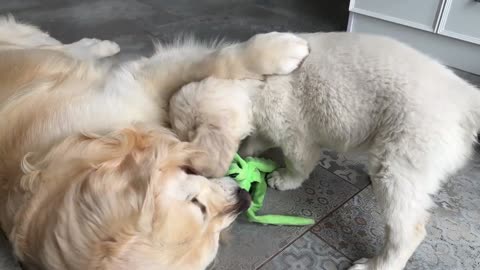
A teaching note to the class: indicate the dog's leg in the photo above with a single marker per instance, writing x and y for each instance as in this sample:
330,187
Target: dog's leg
405,208
300,162
21,35
263,54
30,37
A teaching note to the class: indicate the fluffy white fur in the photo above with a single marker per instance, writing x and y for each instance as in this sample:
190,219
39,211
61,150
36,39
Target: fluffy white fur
415,118
119,199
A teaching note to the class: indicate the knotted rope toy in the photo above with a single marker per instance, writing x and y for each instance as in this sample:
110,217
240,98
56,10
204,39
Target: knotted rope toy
250,175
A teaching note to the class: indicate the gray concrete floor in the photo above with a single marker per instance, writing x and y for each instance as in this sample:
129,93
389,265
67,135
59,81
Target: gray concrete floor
337,195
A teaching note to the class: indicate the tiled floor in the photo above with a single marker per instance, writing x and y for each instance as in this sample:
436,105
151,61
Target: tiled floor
337,195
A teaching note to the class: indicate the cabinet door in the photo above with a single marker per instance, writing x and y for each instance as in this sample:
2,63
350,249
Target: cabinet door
420,14
461,20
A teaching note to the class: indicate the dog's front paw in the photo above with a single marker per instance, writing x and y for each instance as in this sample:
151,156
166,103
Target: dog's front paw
362,264
276,53
280,180
106,48
101,48
93,48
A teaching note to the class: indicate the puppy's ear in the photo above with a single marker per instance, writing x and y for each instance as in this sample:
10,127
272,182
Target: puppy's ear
218,146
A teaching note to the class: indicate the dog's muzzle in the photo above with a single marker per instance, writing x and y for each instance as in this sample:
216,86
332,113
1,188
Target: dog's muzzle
244,200
240,198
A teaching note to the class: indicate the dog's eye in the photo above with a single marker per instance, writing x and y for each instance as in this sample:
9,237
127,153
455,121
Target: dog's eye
200,205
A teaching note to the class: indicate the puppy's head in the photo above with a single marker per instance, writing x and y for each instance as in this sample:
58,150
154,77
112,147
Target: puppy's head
124,201
215,115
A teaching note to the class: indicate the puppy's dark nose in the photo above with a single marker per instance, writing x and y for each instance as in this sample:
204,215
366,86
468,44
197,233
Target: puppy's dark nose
243,201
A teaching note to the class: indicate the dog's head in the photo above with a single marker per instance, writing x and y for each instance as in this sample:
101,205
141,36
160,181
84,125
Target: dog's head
127,200
215,115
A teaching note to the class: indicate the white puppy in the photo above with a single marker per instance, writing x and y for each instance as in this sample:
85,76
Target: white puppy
416,119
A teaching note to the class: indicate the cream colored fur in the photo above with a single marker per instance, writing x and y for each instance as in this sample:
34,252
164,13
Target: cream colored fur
415,118
89,178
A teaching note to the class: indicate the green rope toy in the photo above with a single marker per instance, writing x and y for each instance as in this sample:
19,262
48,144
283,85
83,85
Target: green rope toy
250,175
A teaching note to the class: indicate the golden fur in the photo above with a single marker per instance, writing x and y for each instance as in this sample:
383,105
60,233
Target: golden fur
89,178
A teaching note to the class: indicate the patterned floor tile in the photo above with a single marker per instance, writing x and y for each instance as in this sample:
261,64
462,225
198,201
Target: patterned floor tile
307,253
453,240
252,244
350,166
355,229
454,231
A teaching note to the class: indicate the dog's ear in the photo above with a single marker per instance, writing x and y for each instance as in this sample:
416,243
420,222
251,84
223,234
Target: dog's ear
218,146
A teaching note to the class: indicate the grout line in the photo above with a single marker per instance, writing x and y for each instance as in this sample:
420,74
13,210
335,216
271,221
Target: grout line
285,247
334,248
309,228
329,215
341,205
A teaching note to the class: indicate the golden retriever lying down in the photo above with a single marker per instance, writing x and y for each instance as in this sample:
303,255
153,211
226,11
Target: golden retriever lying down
80,187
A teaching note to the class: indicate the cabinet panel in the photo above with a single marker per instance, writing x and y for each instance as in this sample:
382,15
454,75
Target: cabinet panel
450,51
461,19
421,14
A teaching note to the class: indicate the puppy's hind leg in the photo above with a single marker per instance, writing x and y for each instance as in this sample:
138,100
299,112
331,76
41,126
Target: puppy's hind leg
300,162
405,207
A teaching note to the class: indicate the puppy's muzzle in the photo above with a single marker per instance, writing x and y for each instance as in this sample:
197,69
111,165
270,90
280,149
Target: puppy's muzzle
243,201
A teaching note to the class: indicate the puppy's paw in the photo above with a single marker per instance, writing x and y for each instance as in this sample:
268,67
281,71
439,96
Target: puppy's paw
276,53
91,48
280,180
362,264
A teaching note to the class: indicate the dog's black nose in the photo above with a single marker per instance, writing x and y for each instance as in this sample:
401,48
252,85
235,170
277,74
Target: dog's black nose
243,201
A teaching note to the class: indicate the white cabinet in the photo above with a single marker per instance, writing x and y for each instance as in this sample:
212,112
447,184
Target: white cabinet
461,19
448,30
423,16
